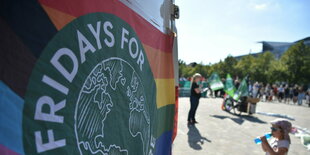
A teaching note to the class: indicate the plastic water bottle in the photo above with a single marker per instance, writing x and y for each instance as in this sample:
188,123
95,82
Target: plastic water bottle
259,141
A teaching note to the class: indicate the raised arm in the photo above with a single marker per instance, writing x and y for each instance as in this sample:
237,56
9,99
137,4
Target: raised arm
267,148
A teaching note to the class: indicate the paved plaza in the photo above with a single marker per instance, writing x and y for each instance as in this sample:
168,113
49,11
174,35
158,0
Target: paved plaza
221,133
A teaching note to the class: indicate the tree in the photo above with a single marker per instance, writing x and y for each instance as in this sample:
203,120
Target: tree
217,67
277,72
297,61
293,67
200,68
244,67
182,66
229,66
189,70
261,66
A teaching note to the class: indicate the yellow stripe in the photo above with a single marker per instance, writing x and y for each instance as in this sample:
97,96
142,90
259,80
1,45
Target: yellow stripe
165,89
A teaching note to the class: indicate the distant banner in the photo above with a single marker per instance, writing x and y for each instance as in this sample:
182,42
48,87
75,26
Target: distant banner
229,87
84,77
242,90
215,82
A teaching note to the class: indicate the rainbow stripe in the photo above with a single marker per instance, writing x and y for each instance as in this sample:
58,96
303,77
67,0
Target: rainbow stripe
54,15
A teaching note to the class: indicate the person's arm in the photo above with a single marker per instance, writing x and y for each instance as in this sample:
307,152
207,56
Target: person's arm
263,147
197,90
267,148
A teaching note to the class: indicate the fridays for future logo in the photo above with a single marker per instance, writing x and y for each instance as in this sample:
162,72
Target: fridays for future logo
91,92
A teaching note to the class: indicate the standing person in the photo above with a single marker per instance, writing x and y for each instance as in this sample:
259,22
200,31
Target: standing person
267,92
275,91
286,94
281,141
291,94
295,94
308,94
250,88
255,89
271,94
301,95
261,91
281,93
194,98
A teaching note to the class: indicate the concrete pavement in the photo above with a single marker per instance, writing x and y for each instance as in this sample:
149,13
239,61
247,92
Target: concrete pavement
221,133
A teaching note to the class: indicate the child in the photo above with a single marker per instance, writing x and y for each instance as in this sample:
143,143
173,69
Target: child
280,144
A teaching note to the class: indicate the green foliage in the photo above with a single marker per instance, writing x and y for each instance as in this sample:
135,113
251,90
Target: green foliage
245,66
277,72
293,67
188,71
297,61
262,66
228,66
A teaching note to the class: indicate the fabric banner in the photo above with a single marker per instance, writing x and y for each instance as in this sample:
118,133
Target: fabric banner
242,90
84,77
215,82
229,87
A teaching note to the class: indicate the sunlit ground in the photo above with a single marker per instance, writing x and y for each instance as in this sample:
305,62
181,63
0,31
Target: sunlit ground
219,132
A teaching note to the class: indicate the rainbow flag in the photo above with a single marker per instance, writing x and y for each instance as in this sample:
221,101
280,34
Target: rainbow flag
84,77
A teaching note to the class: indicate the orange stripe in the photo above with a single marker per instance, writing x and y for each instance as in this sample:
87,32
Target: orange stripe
149,34
161,62
58,18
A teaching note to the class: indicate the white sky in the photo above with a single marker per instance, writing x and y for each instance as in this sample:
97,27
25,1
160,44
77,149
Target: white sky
210,30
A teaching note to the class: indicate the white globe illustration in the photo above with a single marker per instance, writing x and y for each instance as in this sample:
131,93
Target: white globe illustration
111,107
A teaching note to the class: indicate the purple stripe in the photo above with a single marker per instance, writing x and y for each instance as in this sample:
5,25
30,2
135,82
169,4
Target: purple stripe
6,151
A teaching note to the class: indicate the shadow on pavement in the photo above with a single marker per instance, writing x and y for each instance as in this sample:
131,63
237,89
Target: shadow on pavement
241,118
195,140
253,119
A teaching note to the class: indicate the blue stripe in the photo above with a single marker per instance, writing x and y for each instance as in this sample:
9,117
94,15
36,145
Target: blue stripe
11,110
164,143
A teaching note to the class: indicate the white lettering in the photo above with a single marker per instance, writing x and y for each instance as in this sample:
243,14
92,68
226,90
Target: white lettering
131,41
83,50
105,28
96,33
140,60
52,144
49,116
55,61
124,39
54,84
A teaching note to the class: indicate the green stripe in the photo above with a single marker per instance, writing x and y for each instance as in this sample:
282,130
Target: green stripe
165,117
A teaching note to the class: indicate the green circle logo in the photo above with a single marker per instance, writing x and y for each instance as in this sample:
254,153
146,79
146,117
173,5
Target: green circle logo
91,92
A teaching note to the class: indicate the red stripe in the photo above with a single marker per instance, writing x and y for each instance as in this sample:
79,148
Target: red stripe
148,33
176,107
6,151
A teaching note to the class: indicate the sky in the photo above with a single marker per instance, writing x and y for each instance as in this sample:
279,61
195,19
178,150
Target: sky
210,30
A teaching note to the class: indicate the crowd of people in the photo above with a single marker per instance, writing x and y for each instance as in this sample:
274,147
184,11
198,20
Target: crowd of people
280,128
285,93
280,92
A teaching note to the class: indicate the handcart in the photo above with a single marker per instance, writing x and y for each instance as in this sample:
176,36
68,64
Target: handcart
245,104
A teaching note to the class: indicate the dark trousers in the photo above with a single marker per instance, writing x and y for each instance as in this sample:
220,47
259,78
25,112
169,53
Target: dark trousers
192,112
